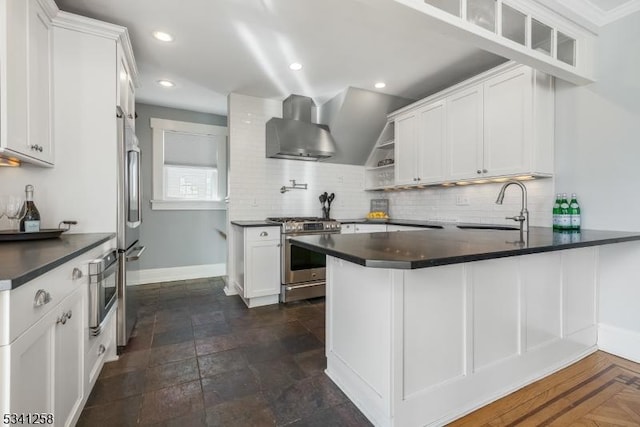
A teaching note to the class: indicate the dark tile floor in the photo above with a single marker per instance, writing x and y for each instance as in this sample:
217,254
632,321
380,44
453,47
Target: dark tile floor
200,358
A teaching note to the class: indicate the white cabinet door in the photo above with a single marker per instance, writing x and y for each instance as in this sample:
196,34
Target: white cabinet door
432,143
406,142
370,228
125,91
262,264
347,228
46,364
26,85
31,369
69,352
465,134
508,118
39,69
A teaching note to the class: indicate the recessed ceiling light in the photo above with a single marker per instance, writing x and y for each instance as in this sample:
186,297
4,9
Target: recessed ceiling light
295,66
162,36
166,83
380,85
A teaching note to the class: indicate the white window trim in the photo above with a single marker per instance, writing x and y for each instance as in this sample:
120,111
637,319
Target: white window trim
159,126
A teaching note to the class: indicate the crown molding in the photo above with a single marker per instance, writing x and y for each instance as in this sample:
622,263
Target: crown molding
71,21
626,9
587,14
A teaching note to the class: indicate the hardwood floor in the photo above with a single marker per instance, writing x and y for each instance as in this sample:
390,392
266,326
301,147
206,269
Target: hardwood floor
600,390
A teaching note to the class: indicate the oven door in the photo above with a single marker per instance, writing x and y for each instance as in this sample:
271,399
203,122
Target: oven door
102,290
300,264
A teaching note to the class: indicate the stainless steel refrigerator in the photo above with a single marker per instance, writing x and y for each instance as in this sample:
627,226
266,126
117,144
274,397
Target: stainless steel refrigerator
129,211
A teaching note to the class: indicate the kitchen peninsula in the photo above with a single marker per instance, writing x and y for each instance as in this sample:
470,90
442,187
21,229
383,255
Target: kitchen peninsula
426,326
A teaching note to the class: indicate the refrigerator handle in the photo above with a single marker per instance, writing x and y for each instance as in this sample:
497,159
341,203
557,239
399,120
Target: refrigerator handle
136,255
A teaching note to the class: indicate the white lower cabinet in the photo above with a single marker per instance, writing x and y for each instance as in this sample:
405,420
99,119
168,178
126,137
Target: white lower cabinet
362,228
255,273
371,228
68,358
45,351
45,364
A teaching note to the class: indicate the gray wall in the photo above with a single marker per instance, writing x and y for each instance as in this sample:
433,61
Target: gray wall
176,238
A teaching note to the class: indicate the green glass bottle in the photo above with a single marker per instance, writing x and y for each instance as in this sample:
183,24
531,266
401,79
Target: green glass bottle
564,223
556,213
574,213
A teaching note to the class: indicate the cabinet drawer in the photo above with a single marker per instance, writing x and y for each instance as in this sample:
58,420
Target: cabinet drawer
59,283
98,348
253,234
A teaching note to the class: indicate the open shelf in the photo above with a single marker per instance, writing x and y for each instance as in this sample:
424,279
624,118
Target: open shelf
375,168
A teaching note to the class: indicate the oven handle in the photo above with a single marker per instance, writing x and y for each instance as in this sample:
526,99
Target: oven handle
100,275
291,235
306,285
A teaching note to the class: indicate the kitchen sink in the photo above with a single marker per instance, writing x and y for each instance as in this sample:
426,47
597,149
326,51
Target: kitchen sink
488,227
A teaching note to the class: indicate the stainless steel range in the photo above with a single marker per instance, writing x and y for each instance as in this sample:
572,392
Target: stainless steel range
303,272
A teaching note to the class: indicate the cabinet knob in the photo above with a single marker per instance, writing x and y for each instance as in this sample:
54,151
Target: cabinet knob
264,234
101,349
40,148
69,314
76,274
478,171
42,297
484,171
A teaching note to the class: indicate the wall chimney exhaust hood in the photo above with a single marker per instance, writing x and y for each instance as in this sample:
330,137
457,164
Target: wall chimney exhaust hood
294,136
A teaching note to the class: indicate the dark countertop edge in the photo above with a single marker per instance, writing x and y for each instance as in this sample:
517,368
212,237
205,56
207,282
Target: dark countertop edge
10,284
435,262
256,223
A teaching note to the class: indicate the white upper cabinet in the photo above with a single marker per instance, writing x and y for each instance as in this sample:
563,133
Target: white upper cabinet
464,130
507,123
420,145
495,125
432,143
25,83
126,94
406,148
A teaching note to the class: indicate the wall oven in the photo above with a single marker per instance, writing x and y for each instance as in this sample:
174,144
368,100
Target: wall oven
303,272
102,289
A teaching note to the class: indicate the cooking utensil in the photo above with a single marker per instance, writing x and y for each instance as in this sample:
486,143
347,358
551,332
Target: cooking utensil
329,200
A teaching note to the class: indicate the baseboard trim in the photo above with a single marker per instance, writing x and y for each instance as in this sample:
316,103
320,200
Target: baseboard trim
621,342
171,274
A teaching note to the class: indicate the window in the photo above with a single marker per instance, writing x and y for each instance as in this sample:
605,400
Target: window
189,165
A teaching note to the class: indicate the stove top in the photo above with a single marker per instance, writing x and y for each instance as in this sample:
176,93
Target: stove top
298,219
306,224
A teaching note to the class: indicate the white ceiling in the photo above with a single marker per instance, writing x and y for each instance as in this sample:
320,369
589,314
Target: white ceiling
245,46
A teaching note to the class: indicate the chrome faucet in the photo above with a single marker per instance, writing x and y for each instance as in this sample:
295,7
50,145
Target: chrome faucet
524,213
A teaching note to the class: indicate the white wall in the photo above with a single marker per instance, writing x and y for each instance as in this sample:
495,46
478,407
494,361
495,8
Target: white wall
598,155
255,180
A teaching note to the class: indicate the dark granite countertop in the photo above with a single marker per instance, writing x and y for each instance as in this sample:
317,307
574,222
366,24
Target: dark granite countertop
409,222
256,223
26,260
434,247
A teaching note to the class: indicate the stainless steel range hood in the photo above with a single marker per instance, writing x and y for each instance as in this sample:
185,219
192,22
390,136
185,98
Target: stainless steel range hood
294,136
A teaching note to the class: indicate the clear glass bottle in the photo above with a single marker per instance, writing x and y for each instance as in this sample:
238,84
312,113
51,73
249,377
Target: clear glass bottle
556,213
574,213
30,221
